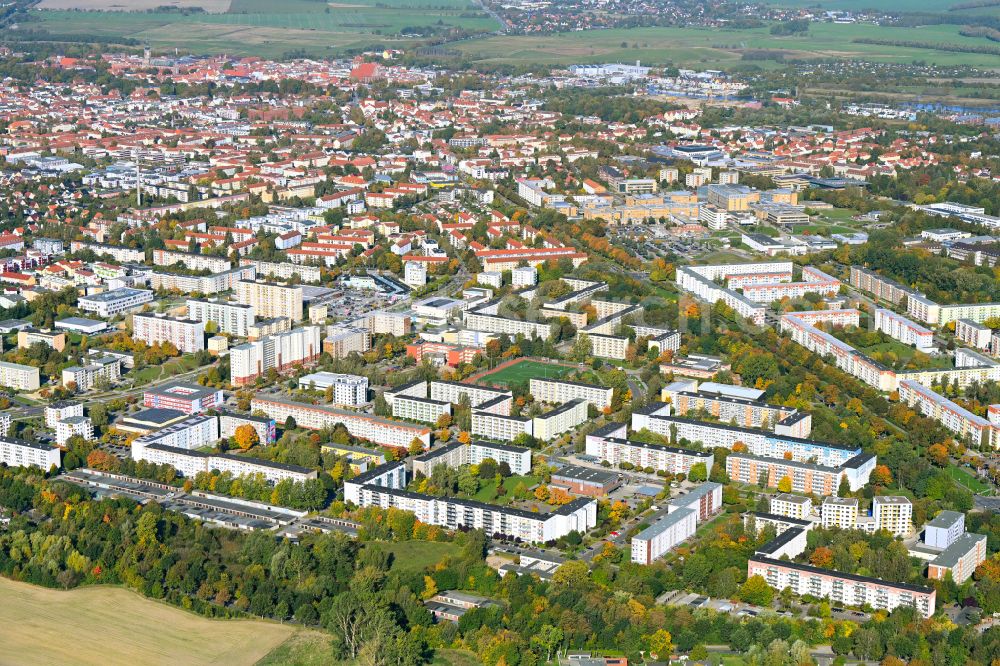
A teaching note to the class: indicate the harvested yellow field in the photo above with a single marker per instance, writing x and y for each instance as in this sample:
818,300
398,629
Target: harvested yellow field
109,625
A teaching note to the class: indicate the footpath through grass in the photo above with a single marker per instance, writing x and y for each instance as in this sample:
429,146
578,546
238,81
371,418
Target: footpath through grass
968,481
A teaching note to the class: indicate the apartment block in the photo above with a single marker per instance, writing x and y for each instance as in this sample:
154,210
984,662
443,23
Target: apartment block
203,284
806,478
894,514
107,368
748,413
791,506
281,352
960,558
973,334
189,463
842,588
881,287
363,426
700,281
500,427
972,428
607,346
30,336
341,341
384,323
840,512
284,270
655,418
936,314
270,299
21,453
518,458
58,411
384,487
609,443
419,409
944,529
489,323
347,389
757,521
684,513
122,255
558,391
524,276
192,433
191,261
187,335
454,392
562,419
801,327
906,331
814,281
789,543
662,536
267,430
19,377
452,454
73,426
414,389
231,318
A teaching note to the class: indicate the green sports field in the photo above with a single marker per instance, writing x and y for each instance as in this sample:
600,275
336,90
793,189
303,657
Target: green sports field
522,371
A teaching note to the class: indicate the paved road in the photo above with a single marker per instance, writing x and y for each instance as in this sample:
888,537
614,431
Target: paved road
984,503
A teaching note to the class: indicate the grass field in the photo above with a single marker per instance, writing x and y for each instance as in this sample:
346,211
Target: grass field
488,490
415,555
699,47
210,6
967,480
522,371
904,353
152,373
265,28
454,658
855,5
304,648
106,625
932,6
